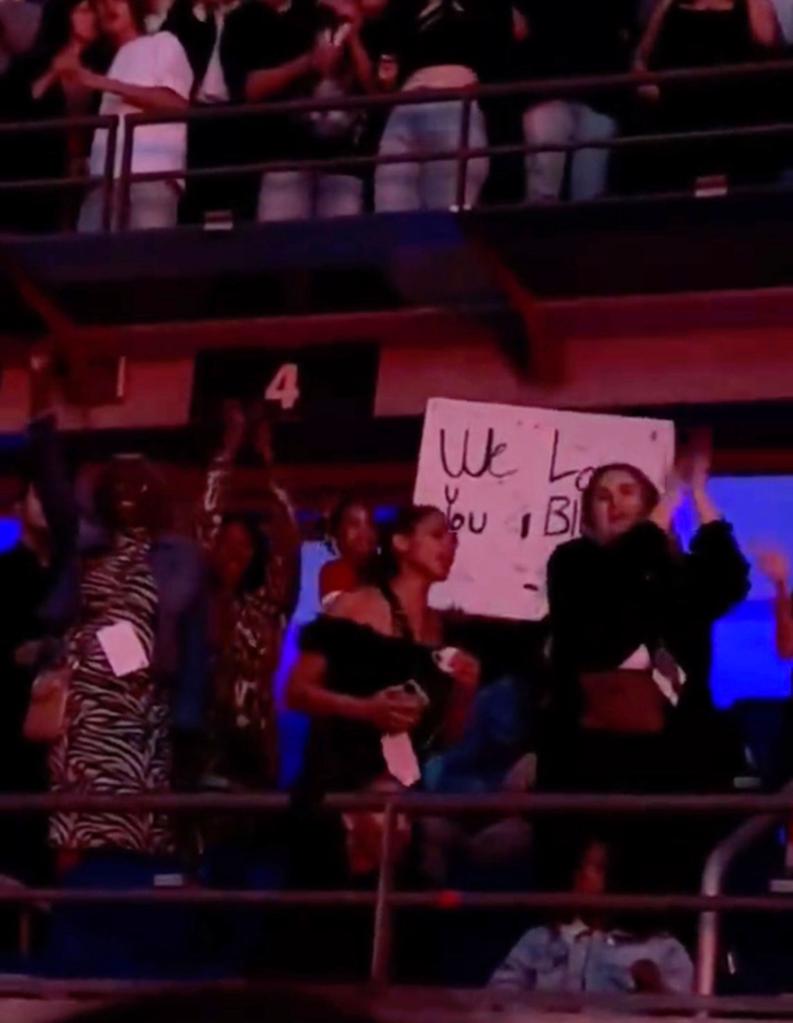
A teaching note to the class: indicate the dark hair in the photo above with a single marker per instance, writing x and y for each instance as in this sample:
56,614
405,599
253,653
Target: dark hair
157,506
255,575
650,495
345,503
139,9
54,33
404,523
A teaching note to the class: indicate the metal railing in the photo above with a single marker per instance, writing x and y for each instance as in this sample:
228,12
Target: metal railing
109,123
462,154
386,898
716,870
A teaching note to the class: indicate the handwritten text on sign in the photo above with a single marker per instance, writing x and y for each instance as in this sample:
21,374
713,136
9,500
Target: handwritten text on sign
510,481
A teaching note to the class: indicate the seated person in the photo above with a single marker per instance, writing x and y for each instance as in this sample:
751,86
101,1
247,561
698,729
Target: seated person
588,953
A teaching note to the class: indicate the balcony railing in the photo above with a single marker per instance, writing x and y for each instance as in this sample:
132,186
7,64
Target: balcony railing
462,154
763,812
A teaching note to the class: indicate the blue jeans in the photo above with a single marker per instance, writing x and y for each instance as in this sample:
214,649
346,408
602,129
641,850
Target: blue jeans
152,204
293,195
559,122
426,128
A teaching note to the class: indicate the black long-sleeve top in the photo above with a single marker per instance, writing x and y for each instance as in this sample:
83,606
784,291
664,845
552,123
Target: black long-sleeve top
608,600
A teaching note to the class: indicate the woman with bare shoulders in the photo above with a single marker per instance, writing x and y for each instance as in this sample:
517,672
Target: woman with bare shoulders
375,667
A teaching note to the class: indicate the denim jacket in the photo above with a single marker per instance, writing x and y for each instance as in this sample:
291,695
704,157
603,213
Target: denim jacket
574,958
181,654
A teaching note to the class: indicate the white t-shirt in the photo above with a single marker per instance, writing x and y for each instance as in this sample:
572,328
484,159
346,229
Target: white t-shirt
213,89
157,61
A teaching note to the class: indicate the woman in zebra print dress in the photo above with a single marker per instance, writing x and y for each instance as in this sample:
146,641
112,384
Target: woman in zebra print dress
116,736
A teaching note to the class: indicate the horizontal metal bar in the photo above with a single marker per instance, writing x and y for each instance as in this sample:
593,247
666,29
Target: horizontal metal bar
557,86
454,900
56,124
527,87
483,152
437,1004
41,184
414,805
443,900
20,896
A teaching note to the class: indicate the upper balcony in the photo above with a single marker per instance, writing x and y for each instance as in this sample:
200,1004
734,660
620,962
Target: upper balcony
628,300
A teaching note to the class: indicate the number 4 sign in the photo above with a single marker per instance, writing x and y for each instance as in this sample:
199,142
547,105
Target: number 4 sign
284,388
336,381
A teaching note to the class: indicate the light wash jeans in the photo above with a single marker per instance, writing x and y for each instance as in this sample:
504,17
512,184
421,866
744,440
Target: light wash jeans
426,128
290,195
153,204
559,122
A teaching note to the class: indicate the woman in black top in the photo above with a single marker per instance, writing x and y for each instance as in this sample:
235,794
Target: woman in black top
631,617
35,89
707,33
373,667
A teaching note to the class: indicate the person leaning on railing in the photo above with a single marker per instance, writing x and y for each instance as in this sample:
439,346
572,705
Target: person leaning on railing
274,51
440,44
35,89
568,39
200,26
148,74
704,33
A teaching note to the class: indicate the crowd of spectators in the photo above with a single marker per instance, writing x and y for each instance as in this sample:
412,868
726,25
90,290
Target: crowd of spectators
138,659
117,57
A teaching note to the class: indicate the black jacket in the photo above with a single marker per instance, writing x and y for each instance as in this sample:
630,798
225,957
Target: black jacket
196,36
606,601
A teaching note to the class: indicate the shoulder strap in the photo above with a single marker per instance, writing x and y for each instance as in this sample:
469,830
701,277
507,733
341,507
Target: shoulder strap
399,618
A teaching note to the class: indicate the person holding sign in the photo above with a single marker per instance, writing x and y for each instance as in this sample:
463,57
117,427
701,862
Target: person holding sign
631,617
381,688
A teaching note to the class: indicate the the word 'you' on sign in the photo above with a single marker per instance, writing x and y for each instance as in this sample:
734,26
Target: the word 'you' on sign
509,480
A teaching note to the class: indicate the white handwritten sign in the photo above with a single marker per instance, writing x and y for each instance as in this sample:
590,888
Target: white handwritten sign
510,480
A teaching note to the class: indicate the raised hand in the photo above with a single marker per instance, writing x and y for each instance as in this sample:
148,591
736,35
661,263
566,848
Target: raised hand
775,566
234,427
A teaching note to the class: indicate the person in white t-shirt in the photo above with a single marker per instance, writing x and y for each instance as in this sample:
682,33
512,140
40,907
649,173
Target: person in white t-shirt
149,74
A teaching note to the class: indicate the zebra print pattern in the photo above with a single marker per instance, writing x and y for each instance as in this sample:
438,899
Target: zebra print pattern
116,739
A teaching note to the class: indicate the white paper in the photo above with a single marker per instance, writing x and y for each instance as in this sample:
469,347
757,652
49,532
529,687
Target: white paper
509,480
639,660
669,689
400,758
122,648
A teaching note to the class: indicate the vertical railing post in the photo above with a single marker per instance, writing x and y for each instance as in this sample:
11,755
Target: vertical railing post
383,913
462,153
125,196
109,175
716,867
